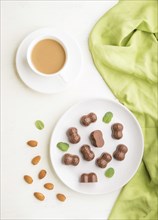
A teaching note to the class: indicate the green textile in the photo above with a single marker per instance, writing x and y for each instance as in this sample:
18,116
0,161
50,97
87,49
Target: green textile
123,45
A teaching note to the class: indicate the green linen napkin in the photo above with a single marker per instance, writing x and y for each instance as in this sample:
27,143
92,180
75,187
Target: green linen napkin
124,48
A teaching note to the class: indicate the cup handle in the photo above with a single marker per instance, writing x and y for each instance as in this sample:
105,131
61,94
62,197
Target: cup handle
64,78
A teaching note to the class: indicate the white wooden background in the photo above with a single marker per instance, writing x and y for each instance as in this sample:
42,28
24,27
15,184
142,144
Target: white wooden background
21,107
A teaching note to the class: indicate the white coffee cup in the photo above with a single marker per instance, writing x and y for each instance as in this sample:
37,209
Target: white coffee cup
62,72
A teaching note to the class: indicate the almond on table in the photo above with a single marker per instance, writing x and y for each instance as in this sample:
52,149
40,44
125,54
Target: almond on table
36,160
39,196
61,197
28,179
32,143
42,174
49,186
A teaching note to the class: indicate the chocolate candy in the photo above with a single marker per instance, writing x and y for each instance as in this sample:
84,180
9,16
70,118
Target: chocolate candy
88,119
69,159
117,130
88,178
119,153
103,160
96,138
87,153
73,135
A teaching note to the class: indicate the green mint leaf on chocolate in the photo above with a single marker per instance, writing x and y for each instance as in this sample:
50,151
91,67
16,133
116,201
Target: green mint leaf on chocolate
39,124
109,172
63,146
107,117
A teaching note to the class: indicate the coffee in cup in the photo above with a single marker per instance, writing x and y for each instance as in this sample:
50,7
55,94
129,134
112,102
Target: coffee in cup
48,56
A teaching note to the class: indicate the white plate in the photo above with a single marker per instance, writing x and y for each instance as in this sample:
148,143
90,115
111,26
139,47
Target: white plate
132,138
44,84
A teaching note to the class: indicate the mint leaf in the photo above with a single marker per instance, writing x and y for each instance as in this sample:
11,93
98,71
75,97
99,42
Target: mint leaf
107,117
39,124
63,146
109,172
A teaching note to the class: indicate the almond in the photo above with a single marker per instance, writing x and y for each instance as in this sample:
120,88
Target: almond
61,197
42,174
28,179
39,196
32,143
49,186
36,160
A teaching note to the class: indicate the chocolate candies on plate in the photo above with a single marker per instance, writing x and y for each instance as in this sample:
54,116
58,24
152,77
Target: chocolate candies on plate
96,139
73,135
88,119
88,178
87,153
117,130
119,153
103,160
69,159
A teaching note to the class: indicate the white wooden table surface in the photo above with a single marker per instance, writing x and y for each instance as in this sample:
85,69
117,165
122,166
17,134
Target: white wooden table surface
21,107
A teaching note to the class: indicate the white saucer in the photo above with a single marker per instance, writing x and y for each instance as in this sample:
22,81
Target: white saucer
44,84
132,138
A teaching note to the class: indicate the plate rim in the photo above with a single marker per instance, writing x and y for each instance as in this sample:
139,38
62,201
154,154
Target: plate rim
116,101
